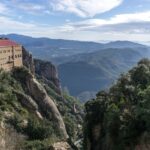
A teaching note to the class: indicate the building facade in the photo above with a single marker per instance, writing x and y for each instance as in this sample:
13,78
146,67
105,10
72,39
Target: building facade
10,54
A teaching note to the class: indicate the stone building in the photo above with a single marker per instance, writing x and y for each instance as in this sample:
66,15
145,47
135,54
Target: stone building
10,54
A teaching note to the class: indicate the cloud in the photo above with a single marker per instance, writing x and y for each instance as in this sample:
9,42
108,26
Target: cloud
3,9
26,6
84,8
31,7
8,24
131,26
136,21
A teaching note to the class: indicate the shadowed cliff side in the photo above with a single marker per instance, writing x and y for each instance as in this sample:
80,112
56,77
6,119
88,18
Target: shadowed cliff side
48,72
28,60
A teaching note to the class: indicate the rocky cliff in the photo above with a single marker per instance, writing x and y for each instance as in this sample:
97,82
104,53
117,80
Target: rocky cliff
48,72
28,60
33,108
45,103
42,69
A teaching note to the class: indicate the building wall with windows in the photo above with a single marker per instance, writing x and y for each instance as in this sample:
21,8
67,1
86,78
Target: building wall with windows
10,54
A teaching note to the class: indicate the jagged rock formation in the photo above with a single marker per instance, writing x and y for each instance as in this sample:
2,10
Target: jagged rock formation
29,103
28,60
45,103
48,72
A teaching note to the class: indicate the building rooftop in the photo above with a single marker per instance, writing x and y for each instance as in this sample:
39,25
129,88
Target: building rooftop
7,42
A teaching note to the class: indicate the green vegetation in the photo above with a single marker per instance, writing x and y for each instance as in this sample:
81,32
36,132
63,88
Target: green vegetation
39,133
19,117
66,105
123,113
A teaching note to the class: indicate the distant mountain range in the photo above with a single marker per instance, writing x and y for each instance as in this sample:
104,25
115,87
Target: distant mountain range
47,48
88,73
85,67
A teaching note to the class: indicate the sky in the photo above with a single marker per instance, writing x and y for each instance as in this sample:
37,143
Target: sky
86,20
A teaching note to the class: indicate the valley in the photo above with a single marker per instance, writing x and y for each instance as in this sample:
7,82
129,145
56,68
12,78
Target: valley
81,64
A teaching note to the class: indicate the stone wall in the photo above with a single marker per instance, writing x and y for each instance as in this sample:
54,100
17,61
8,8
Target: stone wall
10,57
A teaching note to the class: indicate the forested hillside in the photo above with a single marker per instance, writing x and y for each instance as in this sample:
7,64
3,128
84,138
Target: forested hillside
98,70
120,119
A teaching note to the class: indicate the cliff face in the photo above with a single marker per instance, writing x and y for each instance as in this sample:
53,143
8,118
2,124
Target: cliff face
43,69
45,103
48,72
37,113
28,60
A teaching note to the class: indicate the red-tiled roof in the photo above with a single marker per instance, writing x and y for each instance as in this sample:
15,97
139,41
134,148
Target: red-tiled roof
7,42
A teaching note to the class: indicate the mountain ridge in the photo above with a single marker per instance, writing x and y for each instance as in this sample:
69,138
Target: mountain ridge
110,59
60,47
105,66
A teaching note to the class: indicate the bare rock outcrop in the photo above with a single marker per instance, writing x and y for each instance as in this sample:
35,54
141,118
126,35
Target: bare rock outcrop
7,140
44,69
49,72
45,103
60,146
29,103
28,60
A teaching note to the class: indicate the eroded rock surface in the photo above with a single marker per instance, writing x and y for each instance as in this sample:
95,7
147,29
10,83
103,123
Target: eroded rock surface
45,103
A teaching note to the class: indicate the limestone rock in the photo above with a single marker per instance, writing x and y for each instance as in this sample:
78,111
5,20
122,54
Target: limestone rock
29,103
48,71
28,61
45,103
60,146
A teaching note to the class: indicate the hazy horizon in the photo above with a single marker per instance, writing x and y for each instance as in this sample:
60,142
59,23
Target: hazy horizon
146,43
90,20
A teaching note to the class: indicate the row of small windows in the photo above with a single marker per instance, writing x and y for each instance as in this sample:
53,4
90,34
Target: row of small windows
12,57
16,56
8,51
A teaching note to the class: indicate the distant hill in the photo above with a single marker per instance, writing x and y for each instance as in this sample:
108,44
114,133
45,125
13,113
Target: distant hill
88,73
122,44
46,48
85,67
